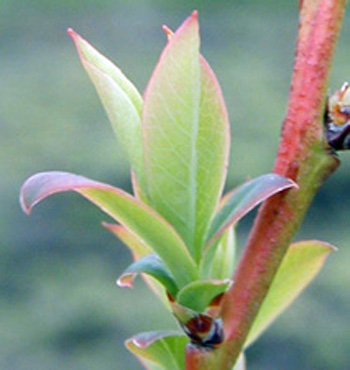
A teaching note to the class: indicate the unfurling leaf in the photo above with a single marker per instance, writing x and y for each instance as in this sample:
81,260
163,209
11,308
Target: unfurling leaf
151,265
139,249
299,266
159,350
244,199
156,232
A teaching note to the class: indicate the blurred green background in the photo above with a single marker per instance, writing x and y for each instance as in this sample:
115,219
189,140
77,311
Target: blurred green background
59,306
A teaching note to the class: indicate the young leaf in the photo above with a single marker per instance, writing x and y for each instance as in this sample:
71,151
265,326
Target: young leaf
244,199
153,266
130,212
300,265
186,136
199,294
139,249
120,98
219,259
159,350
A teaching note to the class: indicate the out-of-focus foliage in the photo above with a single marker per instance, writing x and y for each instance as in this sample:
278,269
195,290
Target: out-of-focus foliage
59,306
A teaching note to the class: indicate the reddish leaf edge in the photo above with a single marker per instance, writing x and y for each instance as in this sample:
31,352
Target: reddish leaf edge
172,38
44,184
27,205
205,66
289,184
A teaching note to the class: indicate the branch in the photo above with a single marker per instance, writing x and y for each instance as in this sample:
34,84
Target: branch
304,157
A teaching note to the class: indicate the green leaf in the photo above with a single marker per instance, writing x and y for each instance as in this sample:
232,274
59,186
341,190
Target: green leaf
151,265
159,350
199,294
130,212
219,258
244,199
120,98
186,137
300,265
139,249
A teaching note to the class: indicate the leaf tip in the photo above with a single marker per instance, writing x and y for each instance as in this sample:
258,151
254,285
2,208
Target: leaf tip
26,208
75,36
24,200
137,343
71,32
330,247
194,14
77,39
168,32
125,282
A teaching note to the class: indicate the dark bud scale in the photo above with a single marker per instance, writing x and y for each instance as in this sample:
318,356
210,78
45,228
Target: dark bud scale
204,331
337,119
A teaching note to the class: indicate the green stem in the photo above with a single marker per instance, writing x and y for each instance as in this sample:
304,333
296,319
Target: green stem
303,156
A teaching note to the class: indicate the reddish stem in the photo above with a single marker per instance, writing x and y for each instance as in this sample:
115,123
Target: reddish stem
303,156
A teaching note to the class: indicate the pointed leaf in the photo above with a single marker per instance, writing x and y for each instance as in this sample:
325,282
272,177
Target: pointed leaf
199,294
300,265
88,54
120,98
139,249
151,265
186,137
130,212
244,199
165,350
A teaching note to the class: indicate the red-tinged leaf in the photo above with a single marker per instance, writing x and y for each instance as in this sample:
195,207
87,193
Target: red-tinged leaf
299,267
159,350
88,54
244,199
151,265
186,134
120,98
130,212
